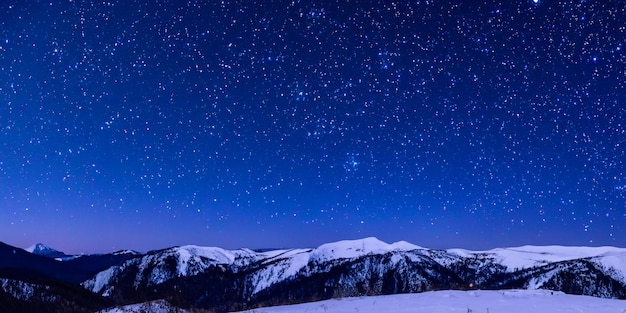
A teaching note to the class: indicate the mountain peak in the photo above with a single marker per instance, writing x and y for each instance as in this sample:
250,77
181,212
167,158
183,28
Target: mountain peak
348,249
43,250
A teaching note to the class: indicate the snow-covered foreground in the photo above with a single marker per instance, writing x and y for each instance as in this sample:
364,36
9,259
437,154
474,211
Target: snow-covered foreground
481,301
159,306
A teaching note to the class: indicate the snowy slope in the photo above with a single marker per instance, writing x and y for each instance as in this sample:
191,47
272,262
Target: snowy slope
277,266
530,256
158,306
18,289
156,268
614,263
510,301
280,265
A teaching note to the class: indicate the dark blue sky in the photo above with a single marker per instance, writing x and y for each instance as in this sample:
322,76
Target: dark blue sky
141,125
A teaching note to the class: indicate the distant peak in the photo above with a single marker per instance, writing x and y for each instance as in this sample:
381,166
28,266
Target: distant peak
371,243
347,249
129,252
37,247
358,242
43,250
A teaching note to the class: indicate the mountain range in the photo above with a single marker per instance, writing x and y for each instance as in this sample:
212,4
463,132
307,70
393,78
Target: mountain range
219,280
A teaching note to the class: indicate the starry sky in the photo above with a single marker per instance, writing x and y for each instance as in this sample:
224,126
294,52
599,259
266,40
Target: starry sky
266,124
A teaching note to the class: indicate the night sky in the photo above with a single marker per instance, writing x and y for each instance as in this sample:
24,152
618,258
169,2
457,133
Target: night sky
266,124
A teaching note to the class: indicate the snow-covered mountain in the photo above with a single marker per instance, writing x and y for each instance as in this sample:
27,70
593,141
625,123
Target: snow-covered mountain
43,250
30,282
224,280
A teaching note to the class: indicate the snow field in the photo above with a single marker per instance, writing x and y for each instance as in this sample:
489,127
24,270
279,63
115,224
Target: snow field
480,301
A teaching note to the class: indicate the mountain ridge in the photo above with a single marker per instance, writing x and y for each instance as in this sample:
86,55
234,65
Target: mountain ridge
367,266
222,280
542,249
